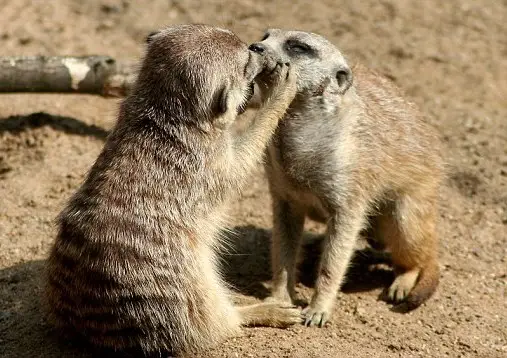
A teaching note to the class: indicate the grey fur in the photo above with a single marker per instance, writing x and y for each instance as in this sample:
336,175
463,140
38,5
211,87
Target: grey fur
351,152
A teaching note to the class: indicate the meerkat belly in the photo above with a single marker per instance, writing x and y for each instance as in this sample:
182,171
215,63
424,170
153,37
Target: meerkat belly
296,191
310,204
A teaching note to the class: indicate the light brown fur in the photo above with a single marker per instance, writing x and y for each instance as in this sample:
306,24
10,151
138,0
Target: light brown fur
134,265
352,153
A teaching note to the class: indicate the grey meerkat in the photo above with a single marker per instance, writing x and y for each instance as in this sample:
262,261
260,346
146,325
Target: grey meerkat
354,154
134,264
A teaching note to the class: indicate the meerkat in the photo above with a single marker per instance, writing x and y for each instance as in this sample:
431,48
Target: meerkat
134,263
354,154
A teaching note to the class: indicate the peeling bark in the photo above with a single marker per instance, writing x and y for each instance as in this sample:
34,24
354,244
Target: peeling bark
100,75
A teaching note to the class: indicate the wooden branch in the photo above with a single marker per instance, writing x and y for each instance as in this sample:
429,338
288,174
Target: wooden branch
100,75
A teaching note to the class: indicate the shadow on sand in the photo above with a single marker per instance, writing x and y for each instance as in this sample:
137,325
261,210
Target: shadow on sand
16,124
247,268
24,331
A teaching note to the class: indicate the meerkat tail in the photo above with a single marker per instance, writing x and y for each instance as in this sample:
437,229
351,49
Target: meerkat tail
425,286
269,315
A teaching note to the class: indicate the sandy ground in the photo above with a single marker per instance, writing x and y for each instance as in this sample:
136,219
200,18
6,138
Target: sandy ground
449,57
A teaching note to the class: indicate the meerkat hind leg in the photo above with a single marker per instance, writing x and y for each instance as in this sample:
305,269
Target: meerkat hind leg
410,236
387,229
270,314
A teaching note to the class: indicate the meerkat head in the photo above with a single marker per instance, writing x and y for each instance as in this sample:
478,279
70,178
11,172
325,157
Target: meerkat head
197,74
318,63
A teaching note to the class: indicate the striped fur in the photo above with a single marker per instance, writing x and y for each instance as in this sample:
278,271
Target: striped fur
134,264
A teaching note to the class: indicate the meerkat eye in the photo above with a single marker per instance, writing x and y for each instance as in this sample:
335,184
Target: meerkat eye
297,47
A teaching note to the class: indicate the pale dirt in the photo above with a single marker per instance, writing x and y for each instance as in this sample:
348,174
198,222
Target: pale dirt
449,57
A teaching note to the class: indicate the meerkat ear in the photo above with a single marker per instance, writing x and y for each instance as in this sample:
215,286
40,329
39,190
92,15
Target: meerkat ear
344,78
221,100
150,36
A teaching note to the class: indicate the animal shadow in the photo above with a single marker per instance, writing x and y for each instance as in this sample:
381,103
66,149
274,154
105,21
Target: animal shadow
247,264
24,328
26,332
17,124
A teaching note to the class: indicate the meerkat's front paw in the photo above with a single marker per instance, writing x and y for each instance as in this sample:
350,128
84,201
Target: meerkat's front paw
283,88
274,75
277,82
315,315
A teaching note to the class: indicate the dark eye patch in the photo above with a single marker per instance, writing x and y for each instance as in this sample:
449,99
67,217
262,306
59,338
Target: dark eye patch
266,35
297,47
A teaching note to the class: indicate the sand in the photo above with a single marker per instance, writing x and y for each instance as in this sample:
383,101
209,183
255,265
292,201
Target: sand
449,57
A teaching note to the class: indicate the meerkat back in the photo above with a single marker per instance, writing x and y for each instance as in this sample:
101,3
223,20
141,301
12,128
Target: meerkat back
133,265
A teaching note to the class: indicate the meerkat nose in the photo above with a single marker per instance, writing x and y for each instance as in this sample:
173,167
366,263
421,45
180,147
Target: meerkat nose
257,47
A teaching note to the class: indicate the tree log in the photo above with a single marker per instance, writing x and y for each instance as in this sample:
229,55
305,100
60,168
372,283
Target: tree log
100,75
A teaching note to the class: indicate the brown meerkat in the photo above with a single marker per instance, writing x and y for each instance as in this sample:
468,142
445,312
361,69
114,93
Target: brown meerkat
353,153
134,264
